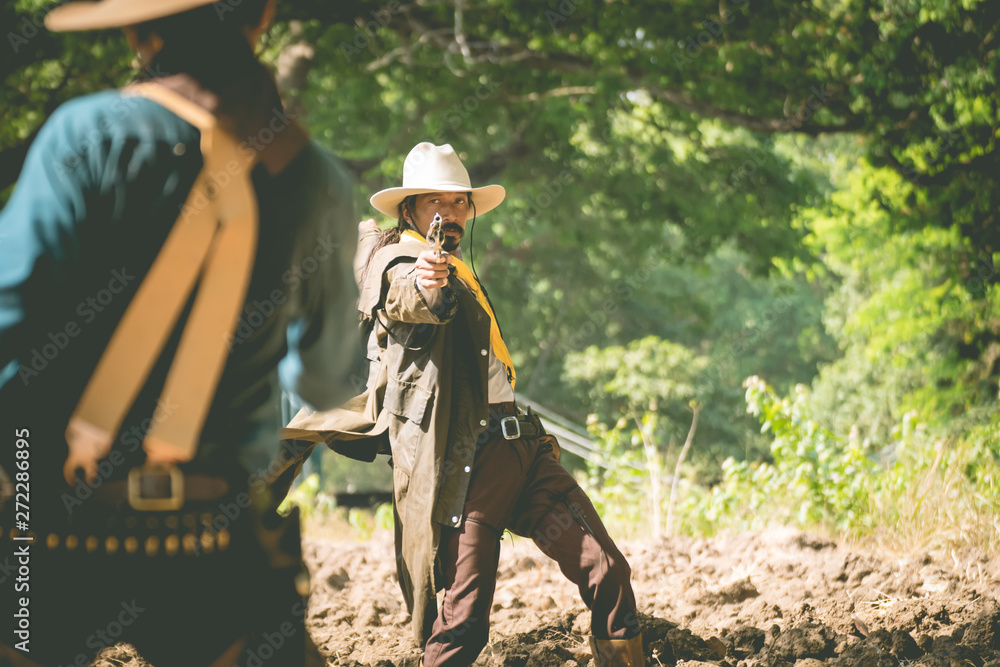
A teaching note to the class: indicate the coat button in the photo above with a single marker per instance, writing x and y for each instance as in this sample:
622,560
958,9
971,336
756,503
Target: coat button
179,149
483,352
482,422
454,520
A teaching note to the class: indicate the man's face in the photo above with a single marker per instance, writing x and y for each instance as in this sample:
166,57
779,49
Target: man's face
454,210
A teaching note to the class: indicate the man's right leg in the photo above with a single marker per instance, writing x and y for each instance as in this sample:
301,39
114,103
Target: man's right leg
462,627
470,554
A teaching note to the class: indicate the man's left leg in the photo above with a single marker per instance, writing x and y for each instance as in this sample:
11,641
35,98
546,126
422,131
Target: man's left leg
557,514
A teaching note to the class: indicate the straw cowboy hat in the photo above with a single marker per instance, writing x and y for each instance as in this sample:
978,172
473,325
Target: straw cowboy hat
430,168
114,13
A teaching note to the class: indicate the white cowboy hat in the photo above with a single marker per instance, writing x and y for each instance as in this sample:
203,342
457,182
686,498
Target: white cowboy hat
430,168
114,13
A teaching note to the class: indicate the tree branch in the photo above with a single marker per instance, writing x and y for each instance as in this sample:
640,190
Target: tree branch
292,69
760,124
696,407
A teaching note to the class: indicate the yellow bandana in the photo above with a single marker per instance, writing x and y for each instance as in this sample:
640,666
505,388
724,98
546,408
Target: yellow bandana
466,275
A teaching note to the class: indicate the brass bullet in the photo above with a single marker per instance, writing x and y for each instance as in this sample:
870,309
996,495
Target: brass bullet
152,545
207,542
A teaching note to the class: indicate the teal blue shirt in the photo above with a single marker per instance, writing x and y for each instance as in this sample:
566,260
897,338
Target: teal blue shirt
100,189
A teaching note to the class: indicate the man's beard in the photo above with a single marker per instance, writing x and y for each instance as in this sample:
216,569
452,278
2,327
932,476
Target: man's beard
450,243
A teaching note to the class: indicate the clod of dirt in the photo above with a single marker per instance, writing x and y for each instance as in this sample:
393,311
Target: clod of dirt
983,634
545,603
809,640
718,647
946,653
733,592
744,640
369,616
688,646
548,654
903,646
337,579
654,629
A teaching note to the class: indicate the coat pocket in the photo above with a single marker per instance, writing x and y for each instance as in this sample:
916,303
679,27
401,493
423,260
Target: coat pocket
407,400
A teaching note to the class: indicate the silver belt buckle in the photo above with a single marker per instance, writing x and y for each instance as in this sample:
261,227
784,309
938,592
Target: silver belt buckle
507,434
140,502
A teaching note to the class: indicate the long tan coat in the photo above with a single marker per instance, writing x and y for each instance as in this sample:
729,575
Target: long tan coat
427,390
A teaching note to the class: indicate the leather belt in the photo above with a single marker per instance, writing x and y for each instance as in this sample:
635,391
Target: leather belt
165,489
512,424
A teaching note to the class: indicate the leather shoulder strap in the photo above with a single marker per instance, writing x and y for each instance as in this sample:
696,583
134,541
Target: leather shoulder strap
212,244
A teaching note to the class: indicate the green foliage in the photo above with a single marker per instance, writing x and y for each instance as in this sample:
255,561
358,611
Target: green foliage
341,474
308,497
620,492
919,491
384,518
816,476
914,314
674,225
938,493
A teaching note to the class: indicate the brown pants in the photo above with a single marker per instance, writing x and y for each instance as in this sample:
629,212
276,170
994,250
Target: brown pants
519,485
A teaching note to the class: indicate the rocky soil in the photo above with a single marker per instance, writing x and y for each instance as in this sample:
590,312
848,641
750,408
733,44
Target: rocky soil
778,599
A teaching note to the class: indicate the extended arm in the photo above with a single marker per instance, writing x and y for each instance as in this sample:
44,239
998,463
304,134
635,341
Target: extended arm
420,292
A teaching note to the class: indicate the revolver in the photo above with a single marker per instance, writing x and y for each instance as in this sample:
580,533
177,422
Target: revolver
435,236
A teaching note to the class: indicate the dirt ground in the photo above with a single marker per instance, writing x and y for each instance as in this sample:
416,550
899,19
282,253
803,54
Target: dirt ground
781,598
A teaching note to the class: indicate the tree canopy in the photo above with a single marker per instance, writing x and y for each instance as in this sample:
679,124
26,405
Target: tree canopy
776,187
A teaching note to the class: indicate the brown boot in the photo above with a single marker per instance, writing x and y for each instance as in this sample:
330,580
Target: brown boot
618,652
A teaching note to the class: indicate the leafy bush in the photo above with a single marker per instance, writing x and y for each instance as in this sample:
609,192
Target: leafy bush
920,491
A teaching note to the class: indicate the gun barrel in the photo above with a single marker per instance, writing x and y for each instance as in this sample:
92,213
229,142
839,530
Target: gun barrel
435,235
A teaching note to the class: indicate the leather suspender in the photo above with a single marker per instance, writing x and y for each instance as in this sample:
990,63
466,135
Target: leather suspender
212,244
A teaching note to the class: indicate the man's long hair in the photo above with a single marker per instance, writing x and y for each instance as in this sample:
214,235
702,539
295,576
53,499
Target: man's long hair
392,235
